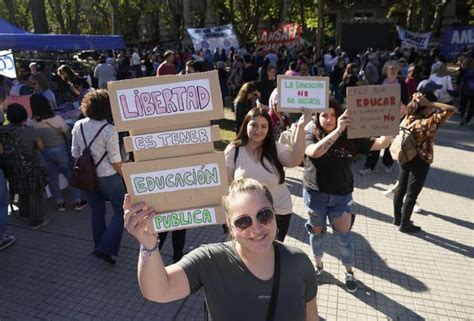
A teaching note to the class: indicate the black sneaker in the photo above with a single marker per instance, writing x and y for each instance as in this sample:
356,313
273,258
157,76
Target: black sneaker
6,241
319,270
107,258
80,205
351,282
410,228
61,207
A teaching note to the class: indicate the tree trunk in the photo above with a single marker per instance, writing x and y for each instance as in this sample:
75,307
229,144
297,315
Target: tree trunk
38,13
426,15
438,16
319,38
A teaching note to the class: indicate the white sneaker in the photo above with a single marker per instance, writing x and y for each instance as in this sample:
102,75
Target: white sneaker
366,171
389,194
417,208
387,170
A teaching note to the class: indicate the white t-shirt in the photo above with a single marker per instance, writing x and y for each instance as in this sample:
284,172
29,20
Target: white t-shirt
135,60
245,167
107,141
442,94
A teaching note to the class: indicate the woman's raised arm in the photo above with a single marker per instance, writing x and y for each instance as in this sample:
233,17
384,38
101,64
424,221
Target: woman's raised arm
157,282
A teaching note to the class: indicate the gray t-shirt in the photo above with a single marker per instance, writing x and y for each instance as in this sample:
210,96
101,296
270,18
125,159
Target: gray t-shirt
234,293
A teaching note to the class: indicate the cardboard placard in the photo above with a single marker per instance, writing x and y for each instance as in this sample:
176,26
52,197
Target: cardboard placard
170,100
374,110
180,142
177,183
188,218
295,92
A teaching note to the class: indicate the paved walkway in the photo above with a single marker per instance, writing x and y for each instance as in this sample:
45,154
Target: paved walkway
50,274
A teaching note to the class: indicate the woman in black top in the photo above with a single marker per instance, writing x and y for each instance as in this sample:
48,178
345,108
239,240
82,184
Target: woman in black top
328,183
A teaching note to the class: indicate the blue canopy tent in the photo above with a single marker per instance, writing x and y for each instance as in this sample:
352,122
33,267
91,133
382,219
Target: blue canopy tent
15,38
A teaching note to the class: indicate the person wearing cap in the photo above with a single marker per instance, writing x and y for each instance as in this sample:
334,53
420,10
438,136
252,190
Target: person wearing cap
423,117
167,67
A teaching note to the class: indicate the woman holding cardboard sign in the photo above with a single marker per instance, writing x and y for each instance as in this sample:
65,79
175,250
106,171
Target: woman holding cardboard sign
251,277
328,183
254,154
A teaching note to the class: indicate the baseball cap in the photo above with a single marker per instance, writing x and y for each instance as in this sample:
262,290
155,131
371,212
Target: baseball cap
427,86
168,52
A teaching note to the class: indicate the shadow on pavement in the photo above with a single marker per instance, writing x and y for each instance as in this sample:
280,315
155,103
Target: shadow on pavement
378,301
450,245
450,219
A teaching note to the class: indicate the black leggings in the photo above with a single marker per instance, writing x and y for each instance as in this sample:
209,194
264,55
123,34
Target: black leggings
178,239
283,223
373,158
410,182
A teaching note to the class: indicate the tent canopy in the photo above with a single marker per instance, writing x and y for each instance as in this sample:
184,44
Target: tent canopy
15,38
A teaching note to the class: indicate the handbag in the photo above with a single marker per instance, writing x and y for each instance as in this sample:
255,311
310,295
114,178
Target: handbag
404,146
275,286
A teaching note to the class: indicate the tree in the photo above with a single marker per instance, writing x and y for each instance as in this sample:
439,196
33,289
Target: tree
38,13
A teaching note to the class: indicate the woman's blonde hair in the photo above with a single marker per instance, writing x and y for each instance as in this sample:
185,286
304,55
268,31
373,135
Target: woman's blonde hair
240,186
246,185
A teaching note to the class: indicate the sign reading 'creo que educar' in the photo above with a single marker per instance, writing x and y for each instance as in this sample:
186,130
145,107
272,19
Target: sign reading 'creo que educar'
165,101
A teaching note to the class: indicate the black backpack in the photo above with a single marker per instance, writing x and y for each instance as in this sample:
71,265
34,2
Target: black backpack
13,163
84,173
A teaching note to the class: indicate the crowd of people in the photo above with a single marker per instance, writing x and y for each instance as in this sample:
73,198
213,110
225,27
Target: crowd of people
259,206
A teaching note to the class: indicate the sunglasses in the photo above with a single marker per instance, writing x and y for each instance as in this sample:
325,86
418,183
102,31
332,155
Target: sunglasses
264,216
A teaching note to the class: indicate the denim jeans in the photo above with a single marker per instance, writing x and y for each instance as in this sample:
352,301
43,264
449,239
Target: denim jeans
56,158
4,198
323,206
107,238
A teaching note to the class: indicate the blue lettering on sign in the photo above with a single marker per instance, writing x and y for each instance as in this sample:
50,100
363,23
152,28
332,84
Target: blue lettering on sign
6,63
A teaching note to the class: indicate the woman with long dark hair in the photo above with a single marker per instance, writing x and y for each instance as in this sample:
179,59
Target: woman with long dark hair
245,101
254,154
328,183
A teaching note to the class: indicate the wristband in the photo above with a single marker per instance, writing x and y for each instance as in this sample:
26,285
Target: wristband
156,248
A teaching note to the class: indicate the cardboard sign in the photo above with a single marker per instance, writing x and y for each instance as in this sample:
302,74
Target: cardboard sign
374,110
177,183
295,92
172,143
194,217
152,102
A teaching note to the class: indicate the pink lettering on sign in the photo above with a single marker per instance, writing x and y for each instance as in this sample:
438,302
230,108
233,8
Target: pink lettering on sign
166,101
379,102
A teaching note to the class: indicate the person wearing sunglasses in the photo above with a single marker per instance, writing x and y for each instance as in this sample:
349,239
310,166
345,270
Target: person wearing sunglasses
328,183
250,277
254,153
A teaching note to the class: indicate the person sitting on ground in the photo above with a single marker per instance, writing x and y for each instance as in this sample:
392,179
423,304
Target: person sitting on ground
239,273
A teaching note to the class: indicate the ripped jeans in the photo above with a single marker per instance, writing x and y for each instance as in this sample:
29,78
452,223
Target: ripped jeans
323,206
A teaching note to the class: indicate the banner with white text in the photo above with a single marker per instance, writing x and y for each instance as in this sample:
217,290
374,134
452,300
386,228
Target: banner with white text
411,39
222,37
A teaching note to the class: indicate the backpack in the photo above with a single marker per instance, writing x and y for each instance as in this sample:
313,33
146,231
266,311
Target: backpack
84,173
13,162
403,146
